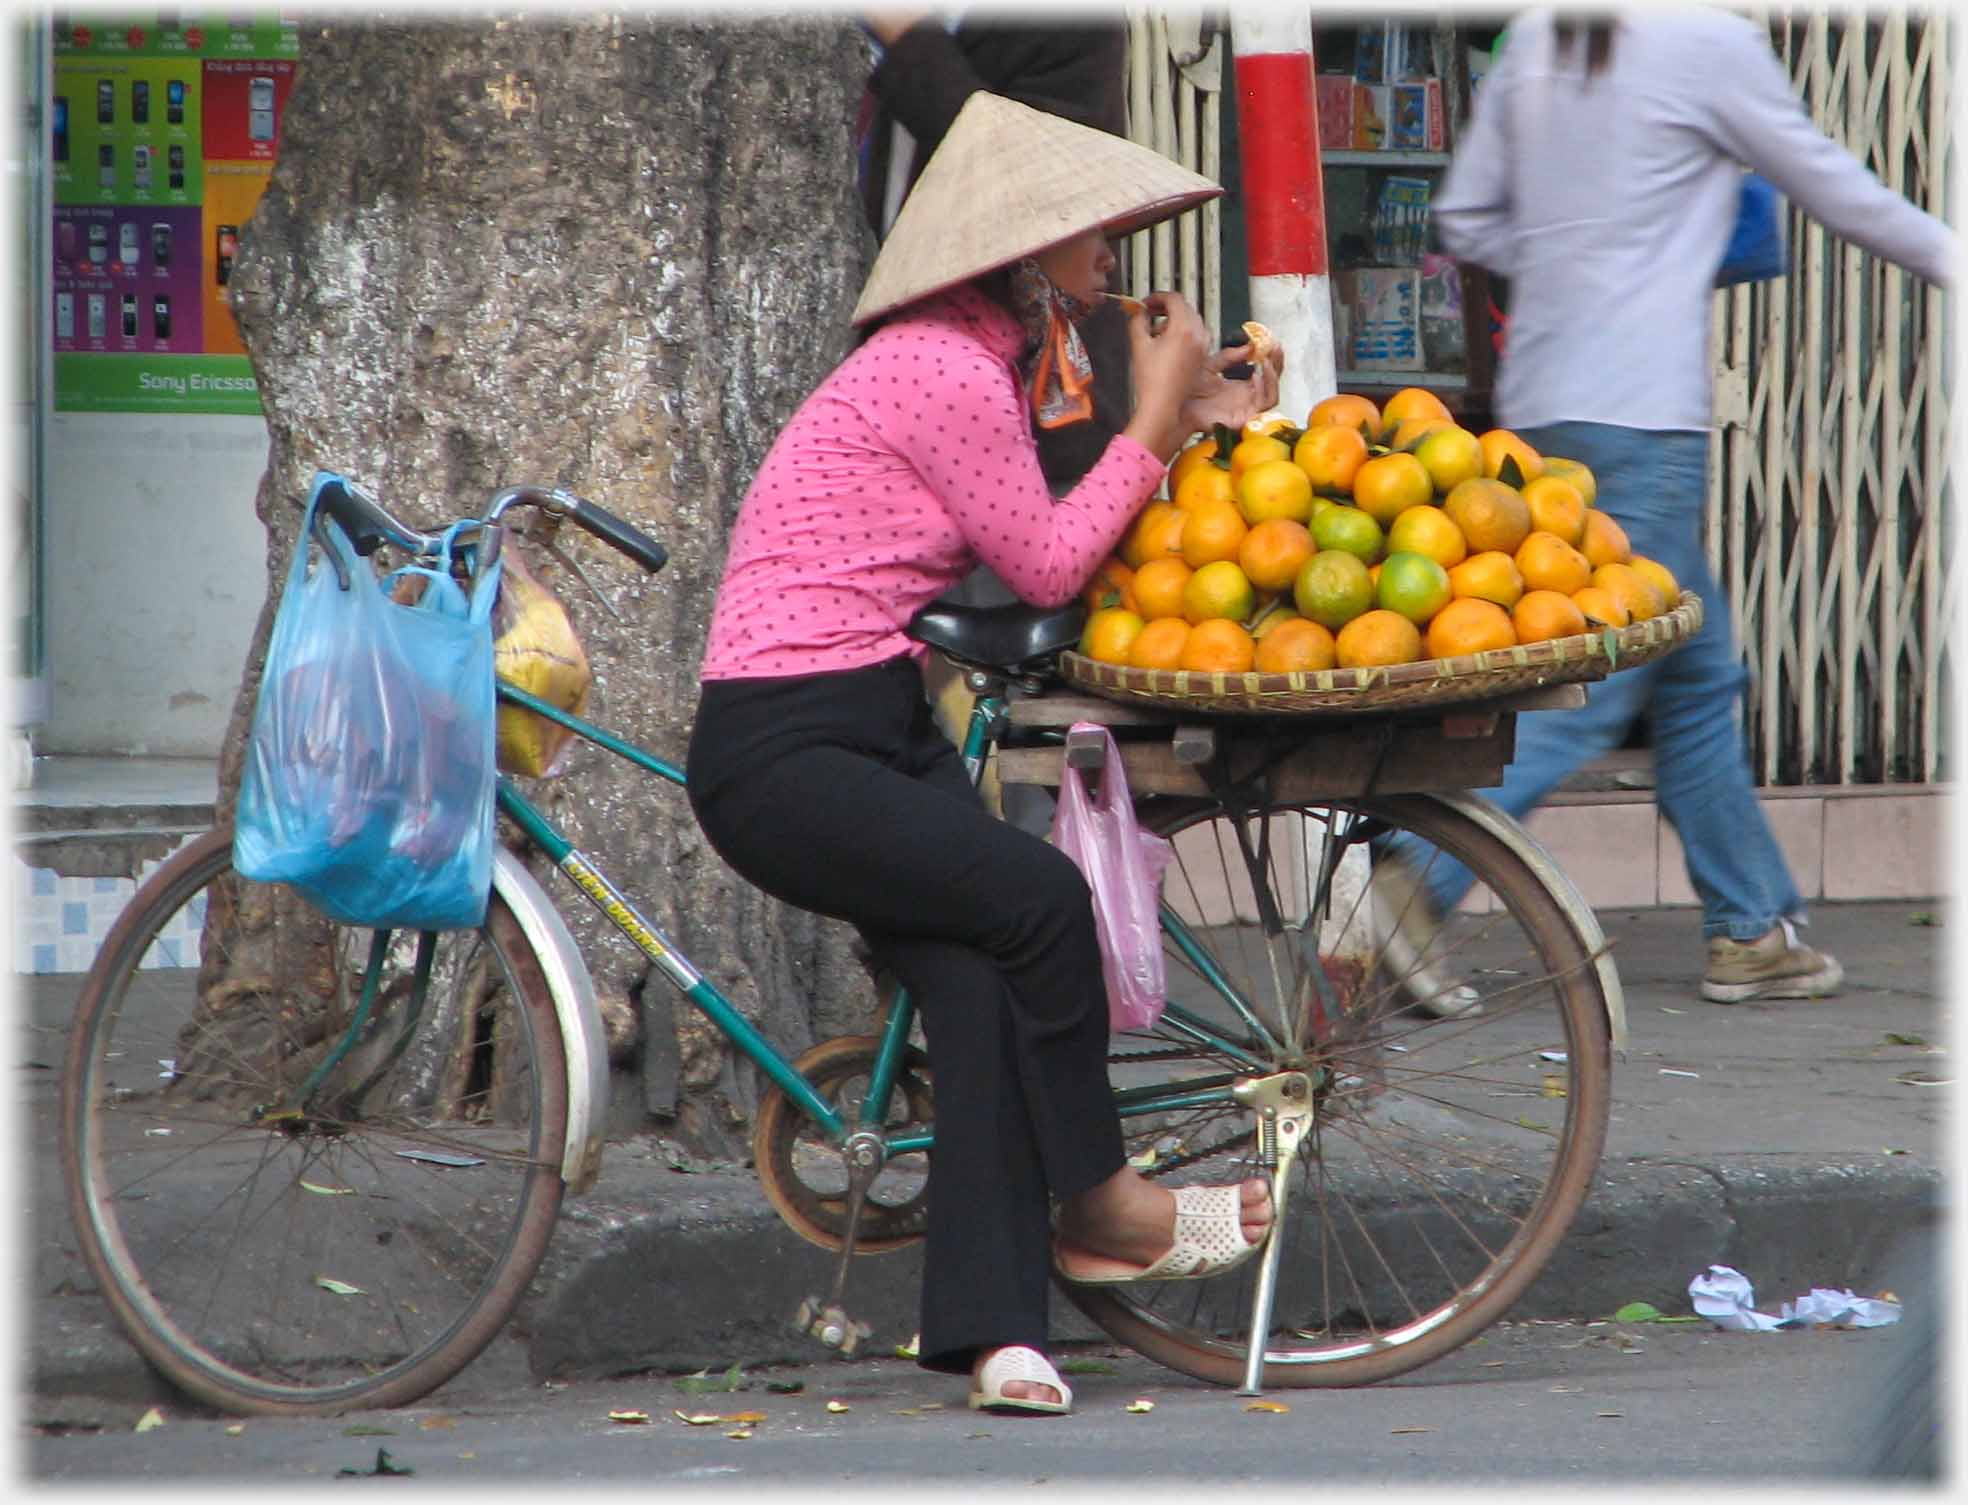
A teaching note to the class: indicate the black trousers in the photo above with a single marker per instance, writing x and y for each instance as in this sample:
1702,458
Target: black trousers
837,793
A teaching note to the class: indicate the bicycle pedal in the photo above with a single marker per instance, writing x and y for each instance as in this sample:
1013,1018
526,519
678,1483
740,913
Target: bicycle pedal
830,1327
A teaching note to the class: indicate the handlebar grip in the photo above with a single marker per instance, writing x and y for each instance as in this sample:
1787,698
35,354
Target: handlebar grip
613,531
360,517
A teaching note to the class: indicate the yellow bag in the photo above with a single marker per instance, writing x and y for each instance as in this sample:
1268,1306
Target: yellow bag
535,647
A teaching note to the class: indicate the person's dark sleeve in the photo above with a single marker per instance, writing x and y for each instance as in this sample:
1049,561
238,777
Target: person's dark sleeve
1076,72
922,81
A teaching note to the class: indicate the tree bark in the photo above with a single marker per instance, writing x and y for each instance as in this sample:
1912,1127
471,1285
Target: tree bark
607,252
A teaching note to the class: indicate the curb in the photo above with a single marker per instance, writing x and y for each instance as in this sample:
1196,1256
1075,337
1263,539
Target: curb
703,1275
716,1280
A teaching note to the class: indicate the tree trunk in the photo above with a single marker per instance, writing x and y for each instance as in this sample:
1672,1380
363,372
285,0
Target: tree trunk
607,252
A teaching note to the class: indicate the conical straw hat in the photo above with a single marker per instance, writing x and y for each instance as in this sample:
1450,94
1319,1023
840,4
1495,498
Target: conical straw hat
1008,180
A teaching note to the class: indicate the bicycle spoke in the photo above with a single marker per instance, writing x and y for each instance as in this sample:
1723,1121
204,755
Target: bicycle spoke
1423,1201
270,1254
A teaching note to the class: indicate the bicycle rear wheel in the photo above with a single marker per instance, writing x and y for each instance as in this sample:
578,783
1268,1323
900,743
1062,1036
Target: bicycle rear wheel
1447,1156
283,1225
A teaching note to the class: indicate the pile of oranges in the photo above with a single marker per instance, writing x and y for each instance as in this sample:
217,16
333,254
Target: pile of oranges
1368,536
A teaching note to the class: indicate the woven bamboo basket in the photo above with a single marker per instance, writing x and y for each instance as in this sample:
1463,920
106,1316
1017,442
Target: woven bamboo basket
1431,682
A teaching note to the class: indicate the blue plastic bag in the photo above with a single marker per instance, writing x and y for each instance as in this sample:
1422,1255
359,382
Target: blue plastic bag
1756,250
369,779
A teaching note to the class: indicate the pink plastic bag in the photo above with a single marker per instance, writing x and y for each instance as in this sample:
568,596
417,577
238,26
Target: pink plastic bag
1123,865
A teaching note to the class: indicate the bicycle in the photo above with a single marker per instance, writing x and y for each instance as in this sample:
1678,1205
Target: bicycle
317,1168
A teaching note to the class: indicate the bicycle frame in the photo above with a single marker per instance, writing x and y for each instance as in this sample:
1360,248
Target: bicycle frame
987,720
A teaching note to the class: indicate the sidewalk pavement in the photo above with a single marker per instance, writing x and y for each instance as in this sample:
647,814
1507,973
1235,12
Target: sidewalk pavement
1800,1149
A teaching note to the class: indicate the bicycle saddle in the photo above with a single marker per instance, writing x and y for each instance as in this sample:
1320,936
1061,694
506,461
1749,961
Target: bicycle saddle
1011,638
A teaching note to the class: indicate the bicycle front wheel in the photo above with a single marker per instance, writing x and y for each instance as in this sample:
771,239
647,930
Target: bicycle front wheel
296,1205
1446,1154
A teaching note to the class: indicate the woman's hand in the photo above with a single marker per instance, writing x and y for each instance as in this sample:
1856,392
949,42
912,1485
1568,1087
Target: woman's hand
1216,399
887,26
1169,363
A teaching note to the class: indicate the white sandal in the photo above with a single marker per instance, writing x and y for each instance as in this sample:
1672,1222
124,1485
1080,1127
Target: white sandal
1209,1239
1018,1363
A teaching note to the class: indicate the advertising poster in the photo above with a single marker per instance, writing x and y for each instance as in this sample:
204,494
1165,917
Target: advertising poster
165,125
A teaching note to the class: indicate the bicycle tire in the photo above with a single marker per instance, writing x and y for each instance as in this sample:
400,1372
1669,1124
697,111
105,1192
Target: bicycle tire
1433,1185
270,1260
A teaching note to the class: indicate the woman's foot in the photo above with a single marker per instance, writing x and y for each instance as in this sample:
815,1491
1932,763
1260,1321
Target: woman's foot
1127,1223
1017,1379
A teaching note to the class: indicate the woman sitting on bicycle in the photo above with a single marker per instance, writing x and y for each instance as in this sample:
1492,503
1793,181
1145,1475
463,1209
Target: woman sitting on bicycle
815,768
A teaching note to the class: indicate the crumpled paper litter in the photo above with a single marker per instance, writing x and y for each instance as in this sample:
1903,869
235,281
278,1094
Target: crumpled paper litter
1726,1298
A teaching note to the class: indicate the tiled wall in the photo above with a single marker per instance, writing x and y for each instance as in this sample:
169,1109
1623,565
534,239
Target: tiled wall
60,922
1858,842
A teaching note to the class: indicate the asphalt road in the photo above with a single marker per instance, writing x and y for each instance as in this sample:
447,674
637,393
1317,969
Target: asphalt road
1527,1403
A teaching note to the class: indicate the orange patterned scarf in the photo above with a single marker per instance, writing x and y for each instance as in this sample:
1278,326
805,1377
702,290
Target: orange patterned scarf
1055,362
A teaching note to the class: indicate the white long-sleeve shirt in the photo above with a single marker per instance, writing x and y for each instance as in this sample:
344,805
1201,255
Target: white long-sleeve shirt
1609,202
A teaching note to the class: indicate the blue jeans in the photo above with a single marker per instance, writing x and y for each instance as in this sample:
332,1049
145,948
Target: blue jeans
1654,485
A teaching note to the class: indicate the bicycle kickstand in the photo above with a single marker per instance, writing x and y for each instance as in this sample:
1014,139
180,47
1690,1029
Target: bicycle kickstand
826,1321
1283,1104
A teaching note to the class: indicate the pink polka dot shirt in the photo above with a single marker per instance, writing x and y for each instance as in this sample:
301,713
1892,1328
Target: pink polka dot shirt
911,462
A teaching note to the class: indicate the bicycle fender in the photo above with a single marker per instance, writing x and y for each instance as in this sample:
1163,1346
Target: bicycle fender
1527,846
581,1031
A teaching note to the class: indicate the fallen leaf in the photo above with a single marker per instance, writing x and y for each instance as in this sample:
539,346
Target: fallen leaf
468,1455
1554,1086
150,1421
739,1433
1609,1414
745,1418
1922,917
1276,1406
1404,1431
910,1349
1139,1406
1893,1037
632,1418
1638,1311
1495,1363
1086,1366
367,1429
235,1430
697,1419
785,1387
339,1287
1666,1010
1889,1150
703,1382
1670,1071
837,1406
1566,1389
1923,1079
327,1191
1527,1123
438,1423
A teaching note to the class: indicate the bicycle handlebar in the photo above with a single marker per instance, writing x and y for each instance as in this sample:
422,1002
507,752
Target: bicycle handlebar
618,534
369,526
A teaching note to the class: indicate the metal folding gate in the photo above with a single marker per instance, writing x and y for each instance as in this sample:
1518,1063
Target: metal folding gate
1831,485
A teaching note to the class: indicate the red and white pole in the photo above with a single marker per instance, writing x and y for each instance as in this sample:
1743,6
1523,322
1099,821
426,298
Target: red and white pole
1291,292
1284,196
